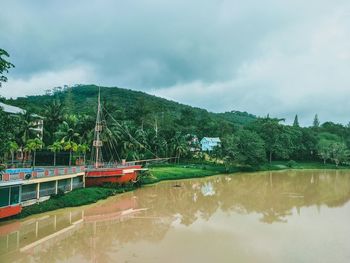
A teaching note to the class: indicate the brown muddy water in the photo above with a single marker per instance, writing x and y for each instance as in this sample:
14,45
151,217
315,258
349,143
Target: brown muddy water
289,216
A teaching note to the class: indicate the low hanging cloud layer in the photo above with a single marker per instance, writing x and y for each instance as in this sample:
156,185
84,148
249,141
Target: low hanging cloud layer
277,57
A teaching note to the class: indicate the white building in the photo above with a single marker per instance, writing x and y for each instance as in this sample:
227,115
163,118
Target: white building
38,121
209,143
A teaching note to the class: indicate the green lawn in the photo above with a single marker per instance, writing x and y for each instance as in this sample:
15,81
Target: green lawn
180,172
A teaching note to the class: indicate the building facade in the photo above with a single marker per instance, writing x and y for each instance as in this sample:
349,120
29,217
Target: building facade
23,187
209,143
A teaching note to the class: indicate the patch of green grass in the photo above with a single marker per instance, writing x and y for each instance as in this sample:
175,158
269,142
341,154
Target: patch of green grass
177,172
77,197
307,165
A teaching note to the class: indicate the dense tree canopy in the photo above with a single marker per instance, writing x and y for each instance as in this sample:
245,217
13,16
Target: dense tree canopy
5,65
141,126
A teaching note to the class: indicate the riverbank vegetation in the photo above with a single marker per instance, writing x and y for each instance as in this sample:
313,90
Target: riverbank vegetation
147,129
77,197
177,172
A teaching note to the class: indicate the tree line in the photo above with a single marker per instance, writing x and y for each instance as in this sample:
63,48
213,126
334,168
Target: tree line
144,136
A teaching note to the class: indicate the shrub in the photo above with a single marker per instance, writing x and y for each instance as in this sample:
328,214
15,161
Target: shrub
292,164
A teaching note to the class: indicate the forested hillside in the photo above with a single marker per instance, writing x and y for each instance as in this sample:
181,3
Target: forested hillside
146,126
139,107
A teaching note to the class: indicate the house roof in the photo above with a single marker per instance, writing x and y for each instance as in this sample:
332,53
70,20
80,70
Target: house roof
16,110
11,109
211,139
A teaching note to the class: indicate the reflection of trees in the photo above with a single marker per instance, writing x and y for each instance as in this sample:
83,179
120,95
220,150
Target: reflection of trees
273,195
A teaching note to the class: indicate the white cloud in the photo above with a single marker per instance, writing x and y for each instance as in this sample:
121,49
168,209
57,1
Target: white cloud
38,83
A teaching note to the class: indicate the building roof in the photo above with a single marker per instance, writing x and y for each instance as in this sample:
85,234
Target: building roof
16,110
11,109
211,139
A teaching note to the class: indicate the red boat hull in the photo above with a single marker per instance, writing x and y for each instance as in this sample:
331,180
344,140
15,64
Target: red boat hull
10,211
122,175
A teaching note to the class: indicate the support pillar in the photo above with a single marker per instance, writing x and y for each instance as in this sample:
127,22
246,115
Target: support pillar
56,187
71,184
38,191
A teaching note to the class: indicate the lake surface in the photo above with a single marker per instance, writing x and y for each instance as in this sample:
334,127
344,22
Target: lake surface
289,216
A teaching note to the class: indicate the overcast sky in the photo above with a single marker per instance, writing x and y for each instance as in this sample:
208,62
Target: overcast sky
278,57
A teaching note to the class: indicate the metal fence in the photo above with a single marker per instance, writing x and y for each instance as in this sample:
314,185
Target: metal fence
28,173
28,195
64,185
78,185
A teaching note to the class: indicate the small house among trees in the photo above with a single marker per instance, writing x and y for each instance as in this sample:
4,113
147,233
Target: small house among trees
209,143
32,124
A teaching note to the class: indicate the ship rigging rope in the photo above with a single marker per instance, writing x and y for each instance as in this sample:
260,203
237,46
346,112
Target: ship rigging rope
128,134
112,148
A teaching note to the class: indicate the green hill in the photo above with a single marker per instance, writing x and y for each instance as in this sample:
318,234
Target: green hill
139,107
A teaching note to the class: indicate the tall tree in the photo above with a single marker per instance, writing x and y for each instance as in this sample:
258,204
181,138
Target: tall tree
68,101
67,133
71,147
340,153
6,133
249,147
26,129
32,146
316,122
296,121
54,116
55,147
179,146
324,150
4,65
276,140
83,149
13,147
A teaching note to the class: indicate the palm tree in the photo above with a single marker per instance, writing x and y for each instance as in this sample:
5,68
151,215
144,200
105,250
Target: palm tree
55,147
54,116
32,146
67,133
13,147
27,130
68,137
179,145
71,147
83,148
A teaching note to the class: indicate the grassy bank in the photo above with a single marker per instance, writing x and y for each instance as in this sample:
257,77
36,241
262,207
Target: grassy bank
282,165
156,174
77,197
177,172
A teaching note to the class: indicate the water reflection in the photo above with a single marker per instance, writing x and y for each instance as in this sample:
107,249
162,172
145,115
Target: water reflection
99,233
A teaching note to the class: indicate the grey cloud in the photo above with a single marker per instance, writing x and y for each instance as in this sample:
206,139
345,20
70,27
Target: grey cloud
259,56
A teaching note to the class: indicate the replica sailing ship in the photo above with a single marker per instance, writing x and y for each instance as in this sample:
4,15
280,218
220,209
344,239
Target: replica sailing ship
100,172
